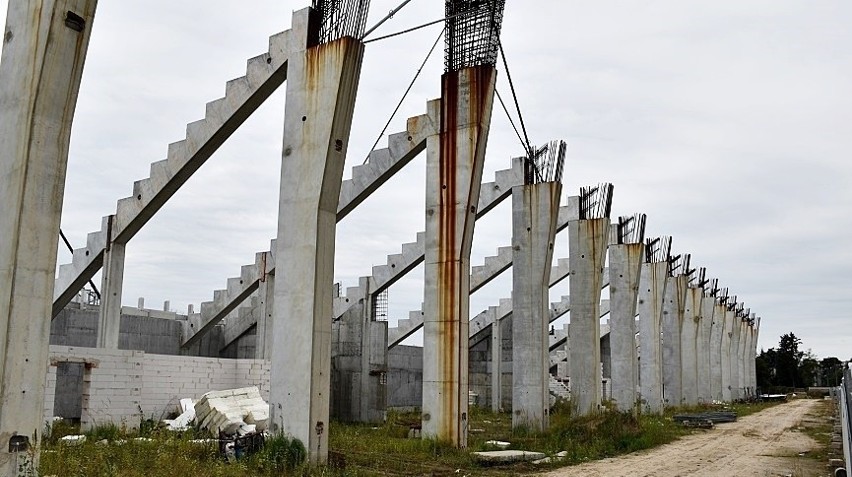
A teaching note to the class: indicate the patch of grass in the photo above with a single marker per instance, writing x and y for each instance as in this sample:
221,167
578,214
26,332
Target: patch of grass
818,425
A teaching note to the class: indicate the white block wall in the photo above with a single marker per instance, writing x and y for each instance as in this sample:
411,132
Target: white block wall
126,386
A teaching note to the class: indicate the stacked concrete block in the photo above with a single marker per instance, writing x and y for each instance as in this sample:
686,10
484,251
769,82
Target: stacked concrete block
230,410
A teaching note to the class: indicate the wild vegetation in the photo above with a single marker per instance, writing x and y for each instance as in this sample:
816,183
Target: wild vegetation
786,367
360,449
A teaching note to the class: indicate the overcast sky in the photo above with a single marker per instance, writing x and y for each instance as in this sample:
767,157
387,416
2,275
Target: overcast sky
728,123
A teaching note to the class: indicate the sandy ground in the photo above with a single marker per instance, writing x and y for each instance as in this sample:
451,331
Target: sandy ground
762,444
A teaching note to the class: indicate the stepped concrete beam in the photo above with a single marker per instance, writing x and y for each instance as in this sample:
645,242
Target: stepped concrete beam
44,50
588,236
321,90
227,300
535,210
454,159
653,279
626,252
702,344
689,342
716,332
674,309
265,73
727,340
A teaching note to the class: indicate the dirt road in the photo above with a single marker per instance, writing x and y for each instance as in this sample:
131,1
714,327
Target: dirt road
762,444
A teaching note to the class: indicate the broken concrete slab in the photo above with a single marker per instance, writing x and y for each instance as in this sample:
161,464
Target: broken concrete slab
500,444
507,456
229,410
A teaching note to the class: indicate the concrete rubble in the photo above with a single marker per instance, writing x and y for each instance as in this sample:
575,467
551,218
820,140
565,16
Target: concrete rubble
507,456
232,411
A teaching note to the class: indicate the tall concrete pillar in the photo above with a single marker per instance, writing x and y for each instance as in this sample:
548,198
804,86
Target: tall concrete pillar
689,340
322,82
454,161
727,340
702,345
736,331
535,212
496,366
652,288
112,281
672,325
752,361
587,241
741,354
44,50
718,329
265,327
626,253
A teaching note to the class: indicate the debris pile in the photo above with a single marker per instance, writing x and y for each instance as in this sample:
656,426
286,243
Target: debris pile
233,411
701,419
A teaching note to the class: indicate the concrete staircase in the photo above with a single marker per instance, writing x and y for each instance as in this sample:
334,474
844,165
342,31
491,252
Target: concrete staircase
243,95
558,389
397,265
366,178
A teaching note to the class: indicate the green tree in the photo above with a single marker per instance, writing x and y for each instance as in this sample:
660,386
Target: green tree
830,371
788,360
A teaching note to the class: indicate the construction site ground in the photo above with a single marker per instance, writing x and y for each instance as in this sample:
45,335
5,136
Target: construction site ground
773,442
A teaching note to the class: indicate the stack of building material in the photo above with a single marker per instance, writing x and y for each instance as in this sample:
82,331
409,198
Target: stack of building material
229,410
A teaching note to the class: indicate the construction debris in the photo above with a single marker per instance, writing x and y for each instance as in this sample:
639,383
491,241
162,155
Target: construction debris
507,456
181,423
714,417
74,440
232,411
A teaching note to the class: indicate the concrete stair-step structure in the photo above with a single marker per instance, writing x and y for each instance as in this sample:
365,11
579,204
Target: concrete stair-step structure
366,178
243,95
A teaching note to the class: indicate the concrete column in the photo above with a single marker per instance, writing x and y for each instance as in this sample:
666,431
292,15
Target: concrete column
752,361
727,339
44,50
626,252
689,344
322,82
702,346
535,211
112,281
587,241
716,332
454,160
496,366
736,331
652,288
265,327
741,356
672,325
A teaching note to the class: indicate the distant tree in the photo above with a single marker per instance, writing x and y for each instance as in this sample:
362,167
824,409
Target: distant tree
830,371
808,370
788,360
765,368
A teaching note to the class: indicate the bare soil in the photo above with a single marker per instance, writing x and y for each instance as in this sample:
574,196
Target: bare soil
762,444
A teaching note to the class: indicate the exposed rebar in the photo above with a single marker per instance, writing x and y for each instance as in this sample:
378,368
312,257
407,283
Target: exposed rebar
340,18
596,201
473,33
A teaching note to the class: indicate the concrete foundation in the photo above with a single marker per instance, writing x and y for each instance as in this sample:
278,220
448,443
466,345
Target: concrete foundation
454,163
653,280
321,87
626,253
535,210
44,50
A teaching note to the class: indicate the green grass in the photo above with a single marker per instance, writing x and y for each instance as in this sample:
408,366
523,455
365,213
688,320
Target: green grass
361,449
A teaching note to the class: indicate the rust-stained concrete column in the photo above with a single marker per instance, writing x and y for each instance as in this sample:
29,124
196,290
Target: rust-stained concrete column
653,280
322,82
716,332
587,241
454,161
44,50
626,252
535,211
